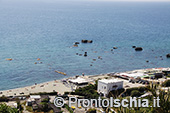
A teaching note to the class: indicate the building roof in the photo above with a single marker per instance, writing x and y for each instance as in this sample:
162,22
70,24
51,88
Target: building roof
110,80
133,74
35,96
12,104
79,80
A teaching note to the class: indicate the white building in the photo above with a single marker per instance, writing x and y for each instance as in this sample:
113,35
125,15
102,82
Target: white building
107,85
80,81
32,99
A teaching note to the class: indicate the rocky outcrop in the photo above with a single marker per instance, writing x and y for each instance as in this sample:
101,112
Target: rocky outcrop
85,54
86,41
76,43
168,55
133,46
114,47
138,48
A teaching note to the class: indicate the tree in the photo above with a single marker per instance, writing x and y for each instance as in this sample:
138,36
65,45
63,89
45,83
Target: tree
166,83
6,109
135,93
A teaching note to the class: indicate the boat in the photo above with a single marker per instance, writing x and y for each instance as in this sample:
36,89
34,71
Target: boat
61,72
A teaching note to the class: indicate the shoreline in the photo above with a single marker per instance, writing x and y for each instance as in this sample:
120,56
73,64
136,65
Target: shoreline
59,86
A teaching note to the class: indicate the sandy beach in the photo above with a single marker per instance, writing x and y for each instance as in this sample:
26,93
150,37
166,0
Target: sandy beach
51,86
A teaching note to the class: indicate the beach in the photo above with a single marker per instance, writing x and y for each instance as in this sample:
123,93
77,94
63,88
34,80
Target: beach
51,86
64,85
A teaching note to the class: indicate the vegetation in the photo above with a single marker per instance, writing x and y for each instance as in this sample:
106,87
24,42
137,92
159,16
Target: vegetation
116,93
6,109
68,108
44,106
87,92
91,110
166,83
19,105
45,93
29,108
156,92
3,99
136,91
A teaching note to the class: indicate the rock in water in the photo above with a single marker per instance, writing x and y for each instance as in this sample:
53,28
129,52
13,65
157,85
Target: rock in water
133,46
86,41
168,55
89,41
138,48
114,47
85,54
76,43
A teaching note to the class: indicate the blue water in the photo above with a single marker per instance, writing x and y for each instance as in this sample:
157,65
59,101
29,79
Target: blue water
47,29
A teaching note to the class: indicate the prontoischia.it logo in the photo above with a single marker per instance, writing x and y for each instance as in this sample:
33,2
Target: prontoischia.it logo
131,102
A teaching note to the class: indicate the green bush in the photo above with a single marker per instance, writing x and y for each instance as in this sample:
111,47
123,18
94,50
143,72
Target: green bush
140,89
166,83
29,108
87,92
135,93
3,99
44,106
91,110
6,109
116,93
45,100
68,108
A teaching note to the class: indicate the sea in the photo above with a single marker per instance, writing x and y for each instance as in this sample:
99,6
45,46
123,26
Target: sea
48,29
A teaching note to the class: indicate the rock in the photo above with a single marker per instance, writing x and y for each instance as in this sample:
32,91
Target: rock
168,55
89,41
86,41
133,46
85,54
99,57
138,48
114,47
76,43
77,53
